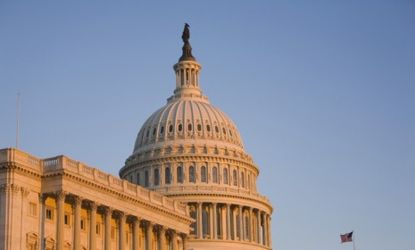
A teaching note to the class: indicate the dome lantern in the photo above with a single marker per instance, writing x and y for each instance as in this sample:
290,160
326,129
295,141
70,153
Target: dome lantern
187,71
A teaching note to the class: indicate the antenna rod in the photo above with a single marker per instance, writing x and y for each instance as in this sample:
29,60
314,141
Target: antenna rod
17,119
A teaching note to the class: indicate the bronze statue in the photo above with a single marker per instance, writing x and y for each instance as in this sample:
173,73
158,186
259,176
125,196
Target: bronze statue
186,33
187,49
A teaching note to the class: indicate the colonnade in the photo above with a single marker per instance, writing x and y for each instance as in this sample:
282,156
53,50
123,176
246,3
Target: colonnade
227,221
156,236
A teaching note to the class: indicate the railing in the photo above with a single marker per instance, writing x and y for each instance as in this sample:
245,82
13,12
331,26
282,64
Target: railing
59,163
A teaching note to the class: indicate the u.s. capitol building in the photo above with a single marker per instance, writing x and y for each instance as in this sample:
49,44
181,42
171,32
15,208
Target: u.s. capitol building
189,184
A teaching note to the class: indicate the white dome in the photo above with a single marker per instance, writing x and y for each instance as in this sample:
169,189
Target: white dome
188,118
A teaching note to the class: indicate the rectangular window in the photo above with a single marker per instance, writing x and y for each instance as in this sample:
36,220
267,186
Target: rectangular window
49,213
67,219
32,209
98,229
138,179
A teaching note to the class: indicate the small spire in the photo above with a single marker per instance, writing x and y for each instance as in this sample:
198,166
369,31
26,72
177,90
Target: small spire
187,49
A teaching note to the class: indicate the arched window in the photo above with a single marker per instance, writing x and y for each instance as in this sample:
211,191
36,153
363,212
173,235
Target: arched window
146,181
138,179
180,174
225,176
215,174
235,178
189,127
167,176
243,179
203,173
249,181
170,128
192,174
180,127
156,177
161,130
199,127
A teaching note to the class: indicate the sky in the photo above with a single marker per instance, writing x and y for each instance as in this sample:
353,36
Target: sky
323,93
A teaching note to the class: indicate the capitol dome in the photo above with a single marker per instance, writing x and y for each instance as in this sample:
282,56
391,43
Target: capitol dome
192,119
191,151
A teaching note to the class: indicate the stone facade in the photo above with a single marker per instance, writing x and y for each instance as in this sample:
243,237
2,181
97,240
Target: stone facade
58,203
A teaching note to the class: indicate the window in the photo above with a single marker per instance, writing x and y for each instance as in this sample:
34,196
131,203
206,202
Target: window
192,174
138,179
205,222
146,177
215,174
167,177
225,176
243,179
32,209
189,127
156,176
49,213
170,128
203,174
208,128
161,130
193,226
216,129
180,174
224,130
154,131
83,220
180,127
199,127
67,219
98,229
148,133
235,178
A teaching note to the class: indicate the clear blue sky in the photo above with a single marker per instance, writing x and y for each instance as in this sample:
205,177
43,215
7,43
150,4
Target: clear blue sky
323,93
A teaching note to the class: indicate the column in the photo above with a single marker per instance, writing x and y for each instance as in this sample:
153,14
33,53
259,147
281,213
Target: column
42,199
210,209
199,221
269,230
264,240
251,231
241,222
215,221
92,225
184,241
108,215
258,226
136,230
149,236
228,221
121,224
60,201
162,238
77,222
174,240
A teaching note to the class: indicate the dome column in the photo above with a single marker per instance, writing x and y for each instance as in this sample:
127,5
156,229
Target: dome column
199,221
215,220
228,222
